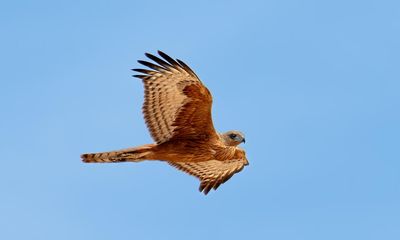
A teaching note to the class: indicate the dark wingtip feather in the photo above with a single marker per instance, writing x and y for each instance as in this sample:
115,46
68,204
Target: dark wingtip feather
158,60
145,71
205,188
186,67
152,65
165,63
201,187
169,59
140,76
216,185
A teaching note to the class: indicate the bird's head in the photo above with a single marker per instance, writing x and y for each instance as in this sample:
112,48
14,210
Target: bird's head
233,138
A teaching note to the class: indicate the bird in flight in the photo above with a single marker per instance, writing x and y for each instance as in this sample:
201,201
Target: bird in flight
177,112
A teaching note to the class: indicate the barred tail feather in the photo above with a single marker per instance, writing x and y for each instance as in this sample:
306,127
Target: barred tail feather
136,154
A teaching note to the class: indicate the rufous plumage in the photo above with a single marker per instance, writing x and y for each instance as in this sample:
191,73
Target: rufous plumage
177,112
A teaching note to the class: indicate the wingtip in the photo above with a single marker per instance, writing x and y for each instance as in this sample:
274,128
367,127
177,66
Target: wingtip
166,57
206,191
148,54
139,76
161,52
204,188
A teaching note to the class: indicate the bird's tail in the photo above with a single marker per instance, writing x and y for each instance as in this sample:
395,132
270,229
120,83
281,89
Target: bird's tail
136,154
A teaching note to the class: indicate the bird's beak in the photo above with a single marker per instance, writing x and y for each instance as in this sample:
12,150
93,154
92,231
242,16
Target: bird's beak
244,140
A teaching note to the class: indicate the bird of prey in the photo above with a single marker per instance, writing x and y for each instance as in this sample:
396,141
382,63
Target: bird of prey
177,112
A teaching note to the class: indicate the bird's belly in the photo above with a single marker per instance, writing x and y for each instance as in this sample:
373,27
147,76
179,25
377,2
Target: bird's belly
182,153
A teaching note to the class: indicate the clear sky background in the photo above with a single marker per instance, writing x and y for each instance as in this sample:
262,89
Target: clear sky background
314,85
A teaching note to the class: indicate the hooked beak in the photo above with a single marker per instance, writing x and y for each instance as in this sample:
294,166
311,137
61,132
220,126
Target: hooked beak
244,140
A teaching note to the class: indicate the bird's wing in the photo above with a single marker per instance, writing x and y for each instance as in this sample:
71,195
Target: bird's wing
211,173
177,104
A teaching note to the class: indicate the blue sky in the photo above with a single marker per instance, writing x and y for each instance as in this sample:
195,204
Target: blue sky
314,85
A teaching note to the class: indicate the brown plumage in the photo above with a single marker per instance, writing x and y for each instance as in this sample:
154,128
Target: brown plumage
177,112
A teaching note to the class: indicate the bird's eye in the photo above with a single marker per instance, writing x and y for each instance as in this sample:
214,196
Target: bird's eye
232,136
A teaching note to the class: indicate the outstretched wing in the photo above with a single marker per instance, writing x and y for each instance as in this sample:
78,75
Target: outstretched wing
177,105
211,173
